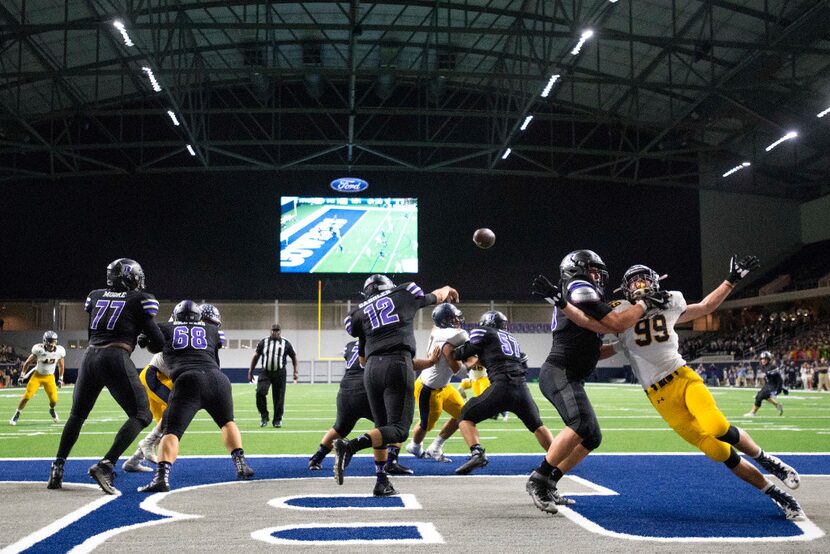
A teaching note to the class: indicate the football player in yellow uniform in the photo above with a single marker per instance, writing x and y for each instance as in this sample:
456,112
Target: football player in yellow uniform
433,392
46,356
679,394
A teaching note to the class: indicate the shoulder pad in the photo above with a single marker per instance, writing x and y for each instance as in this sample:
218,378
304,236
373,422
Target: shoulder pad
61,351
580,292
37,349
458,338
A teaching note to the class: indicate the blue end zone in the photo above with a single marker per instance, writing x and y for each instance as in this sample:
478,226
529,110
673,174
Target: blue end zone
303,252
366,533
346,502
663,496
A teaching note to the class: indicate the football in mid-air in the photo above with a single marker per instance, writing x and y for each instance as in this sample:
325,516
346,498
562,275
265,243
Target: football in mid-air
484,237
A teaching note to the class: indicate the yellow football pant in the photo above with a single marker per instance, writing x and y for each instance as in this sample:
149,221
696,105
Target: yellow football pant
478,385
47,382
446,399
156,379
689,408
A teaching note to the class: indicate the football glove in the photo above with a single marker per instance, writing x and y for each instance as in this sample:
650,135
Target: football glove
143,340
541,286
738,269
60,383
785,391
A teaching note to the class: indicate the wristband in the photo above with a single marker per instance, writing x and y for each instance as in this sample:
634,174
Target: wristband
642,304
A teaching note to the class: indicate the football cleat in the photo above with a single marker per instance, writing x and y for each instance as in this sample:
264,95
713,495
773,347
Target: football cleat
342,457
15,417
277,424
133,465
780,408
384,488
103,474
394,468
437,455
148,450
538,487
558,499
786,474
749,414
264,422
159,483
416,450
314,465
477,459
55,476
243,470
786,503
54,415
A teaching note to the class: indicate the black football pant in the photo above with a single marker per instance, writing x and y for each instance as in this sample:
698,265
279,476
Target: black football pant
572,403
352,405
504,394
109,368
276,381
195,390
390,387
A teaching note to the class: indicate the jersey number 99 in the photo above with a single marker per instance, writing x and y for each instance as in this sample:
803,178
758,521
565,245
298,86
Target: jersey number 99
654,328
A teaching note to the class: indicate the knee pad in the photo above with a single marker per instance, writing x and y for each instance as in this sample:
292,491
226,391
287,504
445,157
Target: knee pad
592,440
733,460
732,436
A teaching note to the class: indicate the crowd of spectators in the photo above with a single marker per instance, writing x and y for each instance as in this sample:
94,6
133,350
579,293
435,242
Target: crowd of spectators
9,366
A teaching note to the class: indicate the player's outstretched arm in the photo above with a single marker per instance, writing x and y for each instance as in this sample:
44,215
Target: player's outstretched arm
446,294
420,364
738,269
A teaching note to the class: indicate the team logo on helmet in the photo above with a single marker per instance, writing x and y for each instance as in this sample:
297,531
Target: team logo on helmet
493,319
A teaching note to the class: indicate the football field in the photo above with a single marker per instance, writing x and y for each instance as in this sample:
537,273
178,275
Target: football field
629,423
644,491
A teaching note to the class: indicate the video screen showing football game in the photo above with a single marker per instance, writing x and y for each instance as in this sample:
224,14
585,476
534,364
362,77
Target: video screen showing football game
348,235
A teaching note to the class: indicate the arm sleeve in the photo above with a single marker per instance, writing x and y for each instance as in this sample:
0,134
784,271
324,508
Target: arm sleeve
587,298
150,305
352,325
465,351
154,336
260,347
222,340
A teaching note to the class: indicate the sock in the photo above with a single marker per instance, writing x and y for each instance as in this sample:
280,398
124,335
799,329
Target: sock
237,452
16,414
544,468
163,470
437,443
476,448
321,453
380,472
52,412
361,442
767,488
153,436
556,474
760,454
393,452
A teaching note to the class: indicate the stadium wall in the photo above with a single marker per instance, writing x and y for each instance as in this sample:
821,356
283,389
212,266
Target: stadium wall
214,235
815,220
743,224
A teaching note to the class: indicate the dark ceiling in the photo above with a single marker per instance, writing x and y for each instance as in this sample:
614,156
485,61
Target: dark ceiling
665,92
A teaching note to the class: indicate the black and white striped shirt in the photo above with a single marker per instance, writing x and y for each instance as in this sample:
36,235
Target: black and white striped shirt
274,353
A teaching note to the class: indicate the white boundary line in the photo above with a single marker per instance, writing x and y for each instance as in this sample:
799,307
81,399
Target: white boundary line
409,502
429,534
45,532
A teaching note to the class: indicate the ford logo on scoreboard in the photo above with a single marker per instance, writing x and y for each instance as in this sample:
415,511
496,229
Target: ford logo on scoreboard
349,184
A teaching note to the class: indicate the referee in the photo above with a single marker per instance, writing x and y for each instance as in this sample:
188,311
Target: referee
274,351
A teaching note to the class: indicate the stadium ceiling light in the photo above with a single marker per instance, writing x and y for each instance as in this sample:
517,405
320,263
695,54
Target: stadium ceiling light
613,1
823,113
526,122
153,81
549,86
586,34
506,153
173,117
118,24
789,136
190,149
736,168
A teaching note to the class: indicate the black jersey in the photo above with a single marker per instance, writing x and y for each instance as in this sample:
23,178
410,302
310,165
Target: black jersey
191,346
575,348
120,316
775,382
498,351
385,320
351,355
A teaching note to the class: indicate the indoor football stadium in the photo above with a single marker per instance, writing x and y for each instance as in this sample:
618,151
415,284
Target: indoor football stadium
461,276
